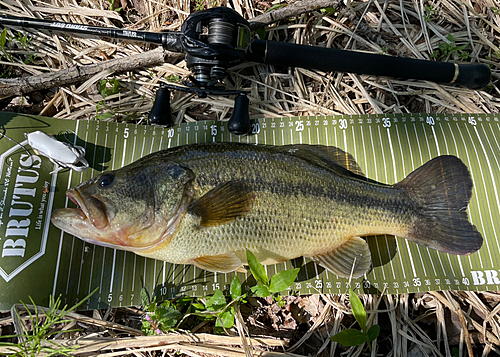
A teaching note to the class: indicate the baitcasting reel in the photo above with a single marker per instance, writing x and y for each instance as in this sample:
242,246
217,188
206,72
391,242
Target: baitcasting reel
213,40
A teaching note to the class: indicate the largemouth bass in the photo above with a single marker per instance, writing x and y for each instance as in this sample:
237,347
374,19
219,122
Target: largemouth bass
206,204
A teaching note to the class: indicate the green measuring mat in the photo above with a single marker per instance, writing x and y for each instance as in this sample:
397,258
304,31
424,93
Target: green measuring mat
36,259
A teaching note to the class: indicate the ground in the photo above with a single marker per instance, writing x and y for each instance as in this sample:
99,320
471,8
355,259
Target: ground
436,323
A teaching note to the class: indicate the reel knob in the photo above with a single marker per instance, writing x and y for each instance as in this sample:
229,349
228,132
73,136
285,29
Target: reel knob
239,123
161,114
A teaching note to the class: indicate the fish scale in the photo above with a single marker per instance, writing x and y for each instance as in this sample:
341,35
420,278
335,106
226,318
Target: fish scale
280,203
308,224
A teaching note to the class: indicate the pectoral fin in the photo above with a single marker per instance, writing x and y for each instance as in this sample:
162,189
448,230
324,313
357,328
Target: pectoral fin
224,263
352,256
223,204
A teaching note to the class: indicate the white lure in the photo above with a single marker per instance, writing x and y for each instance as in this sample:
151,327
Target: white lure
60,153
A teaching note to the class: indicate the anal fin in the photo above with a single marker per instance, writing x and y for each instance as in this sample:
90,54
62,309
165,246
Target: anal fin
351,257
223,263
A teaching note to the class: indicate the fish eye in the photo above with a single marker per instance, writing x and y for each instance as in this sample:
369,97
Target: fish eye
105,180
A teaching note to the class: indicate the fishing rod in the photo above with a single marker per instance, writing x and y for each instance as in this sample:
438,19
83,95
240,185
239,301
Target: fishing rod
216,39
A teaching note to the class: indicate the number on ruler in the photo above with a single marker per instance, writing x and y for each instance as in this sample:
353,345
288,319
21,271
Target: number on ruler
299,125
430,120
255,128
170,133
343,123
472,121
386,122
125,133
213,129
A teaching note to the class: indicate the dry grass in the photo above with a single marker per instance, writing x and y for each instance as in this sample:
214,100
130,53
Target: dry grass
406,28
467,320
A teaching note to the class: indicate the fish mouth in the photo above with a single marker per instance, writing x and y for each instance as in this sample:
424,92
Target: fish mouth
89,208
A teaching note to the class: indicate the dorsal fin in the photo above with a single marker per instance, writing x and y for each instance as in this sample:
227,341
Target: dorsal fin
327,156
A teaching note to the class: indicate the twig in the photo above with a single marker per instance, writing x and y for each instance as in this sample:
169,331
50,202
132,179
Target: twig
21,86
295,9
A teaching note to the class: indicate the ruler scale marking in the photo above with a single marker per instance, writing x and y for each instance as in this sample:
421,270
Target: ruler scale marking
429,254
478,145
481,171
385,179
395,180
410,255
475,194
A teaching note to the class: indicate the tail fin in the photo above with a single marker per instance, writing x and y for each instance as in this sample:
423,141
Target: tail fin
441,190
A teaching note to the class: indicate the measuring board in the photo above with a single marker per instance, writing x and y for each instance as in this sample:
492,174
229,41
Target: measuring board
36,259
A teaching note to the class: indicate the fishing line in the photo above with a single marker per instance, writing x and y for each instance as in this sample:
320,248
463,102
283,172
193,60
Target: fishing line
21,145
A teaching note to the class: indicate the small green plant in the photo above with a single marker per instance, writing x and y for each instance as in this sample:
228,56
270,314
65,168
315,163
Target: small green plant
429,11
199,5
495,10
43,325
173,78
353,337
278,283
170,315
112,5
225,312
3,42
107,87
446,50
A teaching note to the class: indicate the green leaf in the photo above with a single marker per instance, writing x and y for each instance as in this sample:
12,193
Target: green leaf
257,269
104,116
358,309
3,38
274,7
373,333
349,337
227,318
282,280
116,86
260,290
102,88
144,297
235,288
198,306
330,10
216,302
